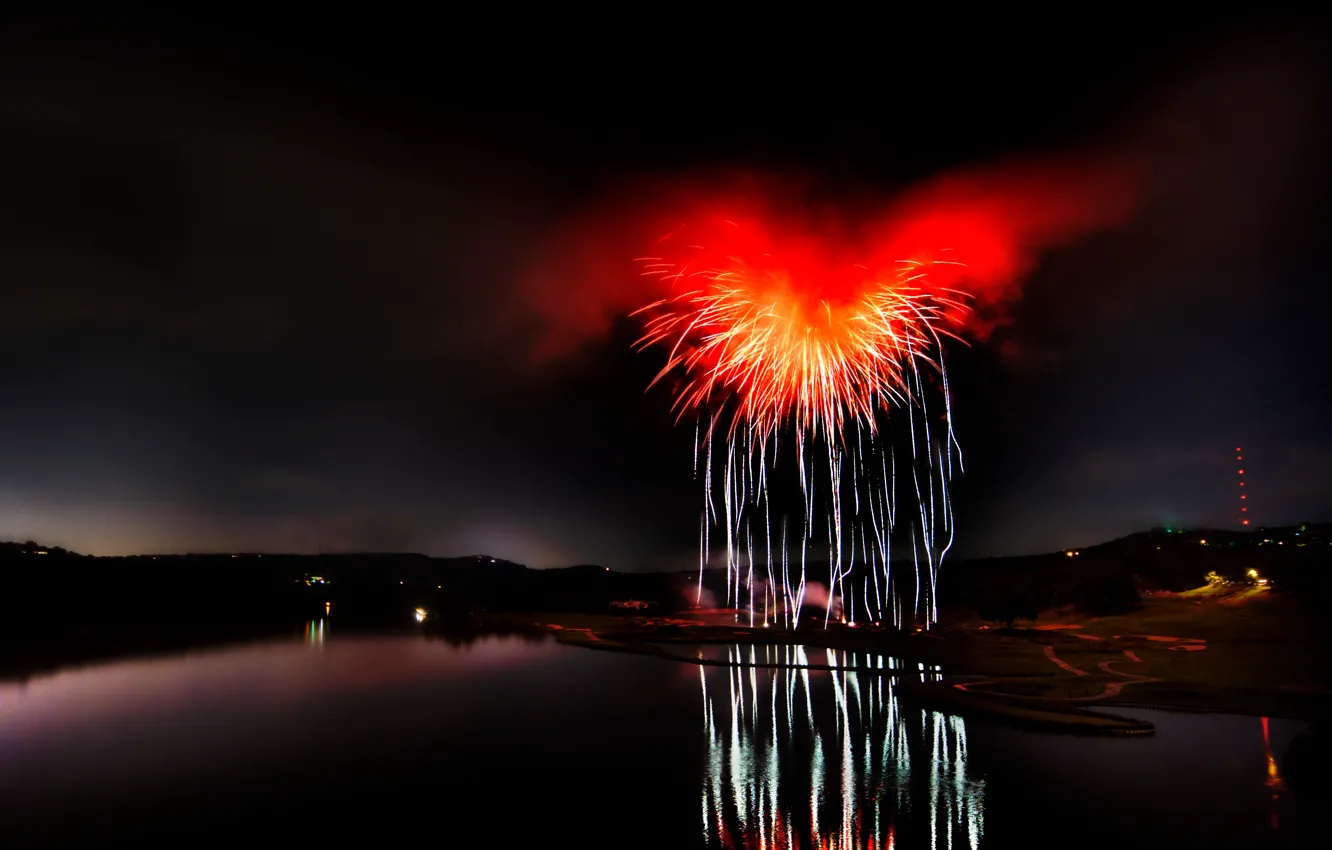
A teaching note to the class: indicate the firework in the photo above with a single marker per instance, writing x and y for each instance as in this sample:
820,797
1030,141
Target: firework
786,348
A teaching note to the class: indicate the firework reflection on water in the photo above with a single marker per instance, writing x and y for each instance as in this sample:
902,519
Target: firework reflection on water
799,758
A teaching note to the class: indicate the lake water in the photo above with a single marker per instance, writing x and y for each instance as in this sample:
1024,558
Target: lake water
506,742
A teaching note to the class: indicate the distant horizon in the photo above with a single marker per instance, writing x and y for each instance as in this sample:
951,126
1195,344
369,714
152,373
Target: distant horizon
498,559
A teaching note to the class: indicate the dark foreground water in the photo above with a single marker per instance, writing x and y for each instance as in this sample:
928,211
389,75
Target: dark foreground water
507,743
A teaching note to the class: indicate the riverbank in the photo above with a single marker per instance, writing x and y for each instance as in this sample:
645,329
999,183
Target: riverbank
1262,655
33,655
42,653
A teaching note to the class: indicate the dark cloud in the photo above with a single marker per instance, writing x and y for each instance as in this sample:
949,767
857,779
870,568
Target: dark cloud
246,318
1232,164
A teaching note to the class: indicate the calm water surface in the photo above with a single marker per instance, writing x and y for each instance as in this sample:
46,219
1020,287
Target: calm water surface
509,742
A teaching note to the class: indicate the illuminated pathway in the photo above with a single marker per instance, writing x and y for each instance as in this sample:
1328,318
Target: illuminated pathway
1113,687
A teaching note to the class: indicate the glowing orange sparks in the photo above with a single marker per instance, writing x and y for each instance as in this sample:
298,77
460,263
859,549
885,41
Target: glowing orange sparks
790,339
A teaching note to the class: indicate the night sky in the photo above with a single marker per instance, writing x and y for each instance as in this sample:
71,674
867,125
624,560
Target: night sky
272,290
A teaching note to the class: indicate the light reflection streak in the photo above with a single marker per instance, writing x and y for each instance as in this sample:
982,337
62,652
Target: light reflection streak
1274,783
837,777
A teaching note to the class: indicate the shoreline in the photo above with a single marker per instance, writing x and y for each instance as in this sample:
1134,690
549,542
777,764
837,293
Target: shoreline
48,655
1260,660
936,695
1062,677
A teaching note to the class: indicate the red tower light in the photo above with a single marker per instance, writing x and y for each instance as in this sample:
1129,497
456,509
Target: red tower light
1244,508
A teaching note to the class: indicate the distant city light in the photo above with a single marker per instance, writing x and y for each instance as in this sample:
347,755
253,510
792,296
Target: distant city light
420,615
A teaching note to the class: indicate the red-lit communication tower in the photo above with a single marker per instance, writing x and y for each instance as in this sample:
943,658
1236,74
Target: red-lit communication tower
1244,497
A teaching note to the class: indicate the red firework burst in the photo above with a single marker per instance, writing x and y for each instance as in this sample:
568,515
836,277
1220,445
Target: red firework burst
794,330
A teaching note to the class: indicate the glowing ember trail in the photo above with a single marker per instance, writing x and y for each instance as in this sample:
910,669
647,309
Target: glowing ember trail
788,348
